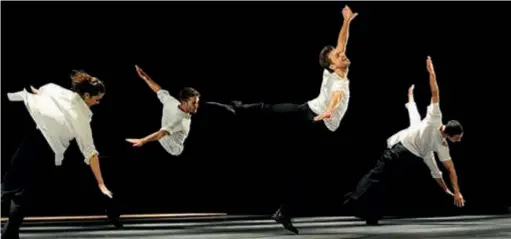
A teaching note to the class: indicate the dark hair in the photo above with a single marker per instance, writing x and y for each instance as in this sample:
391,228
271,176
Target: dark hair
324,60
453,127
84,83
187,93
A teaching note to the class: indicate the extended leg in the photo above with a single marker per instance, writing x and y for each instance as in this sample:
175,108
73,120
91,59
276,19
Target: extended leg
112,211
17,204
370,186
283,109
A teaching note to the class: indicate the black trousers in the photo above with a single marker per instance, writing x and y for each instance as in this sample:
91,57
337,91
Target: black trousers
303,139
297,113
31,166
32,169
369,192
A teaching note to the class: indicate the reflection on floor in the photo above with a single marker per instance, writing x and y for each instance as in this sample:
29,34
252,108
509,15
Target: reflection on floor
262,227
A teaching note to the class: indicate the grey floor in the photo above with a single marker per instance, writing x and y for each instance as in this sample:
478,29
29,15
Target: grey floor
259,227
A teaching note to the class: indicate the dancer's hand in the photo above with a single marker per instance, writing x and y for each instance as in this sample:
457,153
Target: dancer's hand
348,14
449,192
410,90
141,73
326,115
34,90
458,200
136,142
410,94
105,190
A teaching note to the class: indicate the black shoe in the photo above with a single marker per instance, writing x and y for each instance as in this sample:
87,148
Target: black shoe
10,236
230,108
279,217
115,219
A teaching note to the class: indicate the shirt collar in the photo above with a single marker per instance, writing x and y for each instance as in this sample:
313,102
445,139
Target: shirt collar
81,105
442,138
182,113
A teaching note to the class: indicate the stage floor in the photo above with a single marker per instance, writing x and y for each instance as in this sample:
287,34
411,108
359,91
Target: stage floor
262,227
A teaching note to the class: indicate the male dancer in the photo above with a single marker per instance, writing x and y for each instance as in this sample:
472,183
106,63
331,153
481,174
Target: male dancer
420,140
176,117
60,116
329,106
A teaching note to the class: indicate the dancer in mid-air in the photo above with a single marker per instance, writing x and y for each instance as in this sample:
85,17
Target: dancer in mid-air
176,117
420,140
329,106
60,115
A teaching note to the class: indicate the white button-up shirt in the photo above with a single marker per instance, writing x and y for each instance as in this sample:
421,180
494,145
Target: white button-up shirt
175,122
423,138
331,83
61,115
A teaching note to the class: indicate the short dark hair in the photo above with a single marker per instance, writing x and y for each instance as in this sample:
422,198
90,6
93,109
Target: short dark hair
453,127
324,60
187,93
83,83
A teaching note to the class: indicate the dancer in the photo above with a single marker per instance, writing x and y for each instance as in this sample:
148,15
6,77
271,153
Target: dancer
60,115
329,106
176,117
420,140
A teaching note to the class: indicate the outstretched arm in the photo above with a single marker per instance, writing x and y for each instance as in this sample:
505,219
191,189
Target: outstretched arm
436,173
155,87
152,137
342,41
335,99
432,81
458,198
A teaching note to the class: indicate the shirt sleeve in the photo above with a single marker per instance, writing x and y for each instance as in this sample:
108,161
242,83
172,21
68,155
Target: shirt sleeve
165,97
443,153
338,85
47,88
173,144
434,115
432,165
80,123
413,113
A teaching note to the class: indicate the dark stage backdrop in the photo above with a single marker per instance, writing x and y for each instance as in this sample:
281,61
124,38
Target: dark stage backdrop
263,52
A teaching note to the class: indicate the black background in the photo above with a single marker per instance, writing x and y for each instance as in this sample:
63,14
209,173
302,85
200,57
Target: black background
262,51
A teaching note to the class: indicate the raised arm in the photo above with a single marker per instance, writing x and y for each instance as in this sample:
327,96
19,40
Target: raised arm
432,81
413,112
342,41
155,87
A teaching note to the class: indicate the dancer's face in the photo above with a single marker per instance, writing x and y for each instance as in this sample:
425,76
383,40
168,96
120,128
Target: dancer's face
338,59
92,100
191,105
455,138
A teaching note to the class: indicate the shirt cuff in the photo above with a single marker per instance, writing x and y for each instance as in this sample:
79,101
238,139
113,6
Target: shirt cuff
436,175
88,155
16,96
168,129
